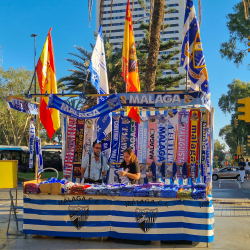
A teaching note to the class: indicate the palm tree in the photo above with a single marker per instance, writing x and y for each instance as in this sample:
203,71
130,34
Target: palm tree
76,80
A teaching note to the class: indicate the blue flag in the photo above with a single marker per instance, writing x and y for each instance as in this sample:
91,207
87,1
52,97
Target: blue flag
192,58
99,79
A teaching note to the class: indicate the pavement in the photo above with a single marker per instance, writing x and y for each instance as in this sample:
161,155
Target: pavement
232,227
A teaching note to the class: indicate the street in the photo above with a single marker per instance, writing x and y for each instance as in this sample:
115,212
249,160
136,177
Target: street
230,189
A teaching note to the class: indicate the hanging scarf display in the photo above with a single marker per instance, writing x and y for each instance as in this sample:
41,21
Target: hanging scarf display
152,139
193,156
161,138
39,157
88,137
32,134
182,140
71,133
115,138
171,124
142,142
203,147
134,136
78,149
125,136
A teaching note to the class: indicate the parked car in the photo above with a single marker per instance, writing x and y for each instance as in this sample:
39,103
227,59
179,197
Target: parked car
227,173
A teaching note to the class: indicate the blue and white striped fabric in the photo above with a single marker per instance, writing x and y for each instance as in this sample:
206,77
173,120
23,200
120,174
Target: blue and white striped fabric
112,103
192,58
143,218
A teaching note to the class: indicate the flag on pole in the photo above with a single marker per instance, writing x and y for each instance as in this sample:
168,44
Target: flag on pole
192,58
129,63
99,79
46,74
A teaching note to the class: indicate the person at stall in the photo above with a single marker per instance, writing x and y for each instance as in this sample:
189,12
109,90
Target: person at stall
247,172
242,166
94,166
131,166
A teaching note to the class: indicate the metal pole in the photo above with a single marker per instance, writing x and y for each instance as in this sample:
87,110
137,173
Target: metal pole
37,120
186,80
242,147
34,35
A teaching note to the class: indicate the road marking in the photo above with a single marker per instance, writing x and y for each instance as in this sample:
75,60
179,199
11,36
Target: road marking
220,184
238,184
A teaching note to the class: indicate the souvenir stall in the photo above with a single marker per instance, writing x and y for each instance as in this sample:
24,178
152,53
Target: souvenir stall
171,134
173,199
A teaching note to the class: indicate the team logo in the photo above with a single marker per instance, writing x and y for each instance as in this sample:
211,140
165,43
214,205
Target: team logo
194,117
162,119
203,117
125,120
123,99
112,103
146,218
183,118
78,215
116,117
188,98
89,123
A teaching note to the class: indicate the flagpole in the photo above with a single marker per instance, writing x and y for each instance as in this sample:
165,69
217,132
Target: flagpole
186,79
36,116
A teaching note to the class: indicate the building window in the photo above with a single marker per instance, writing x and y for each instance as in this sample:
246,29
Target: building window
170,32
119,4
171,18
116,37
171,38
140,35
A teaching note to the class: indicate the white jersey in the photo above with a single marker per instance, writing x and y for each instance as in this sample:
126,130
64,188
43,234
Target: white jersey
247,166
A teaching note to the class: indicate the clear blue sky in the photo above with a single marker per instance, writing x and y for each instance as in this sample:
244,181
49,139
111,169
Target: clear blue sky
70,26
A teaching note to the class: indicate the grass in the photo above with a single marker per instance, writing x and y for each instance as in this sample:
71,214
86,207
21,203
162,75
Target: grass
45,175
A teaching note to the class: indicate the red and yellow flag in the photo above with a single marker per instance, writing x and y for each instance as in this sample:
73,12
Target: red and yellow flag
129,63
46,74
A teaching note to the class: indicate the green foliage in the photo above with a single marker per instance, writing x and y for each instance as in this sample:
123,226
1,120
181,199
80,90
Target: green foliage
164,61
239,29
228,104
14,124
219,151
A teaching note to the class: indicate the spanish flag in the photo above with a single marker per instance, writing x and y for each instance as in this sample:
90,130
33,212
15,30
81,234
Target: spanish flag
129,63
46,75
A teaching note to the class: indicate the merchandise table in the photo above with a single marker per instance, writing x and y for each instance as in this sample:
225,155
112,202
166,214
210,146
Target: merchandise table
144,218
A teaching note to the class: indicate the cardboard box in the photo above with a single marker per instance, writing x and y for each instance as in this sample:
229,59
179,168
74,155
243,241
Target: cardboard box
51,188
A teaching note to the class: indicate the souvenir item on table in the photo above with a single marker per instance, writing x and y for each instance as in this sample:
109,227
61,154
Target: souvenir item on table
119,178
78,189
141,191
32,188
184,192
114,189
127,190
169,192
199,194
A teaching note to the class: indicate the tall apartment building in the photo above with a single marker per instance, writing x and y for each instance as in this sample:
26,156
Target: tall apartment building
114,26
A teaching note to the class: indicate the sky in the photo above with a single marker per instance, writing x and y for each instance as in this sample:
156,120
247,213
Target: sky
69,20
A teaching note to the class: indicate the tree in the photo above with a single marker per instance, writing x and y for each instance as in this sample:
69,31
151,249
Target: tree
158,14
228,104
163,63
239,29
76,80
14,124
219,153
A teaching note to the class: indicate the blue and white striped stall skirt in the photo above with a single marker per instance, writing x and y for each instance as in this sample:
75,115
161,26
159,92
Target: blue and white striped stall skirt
143,218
